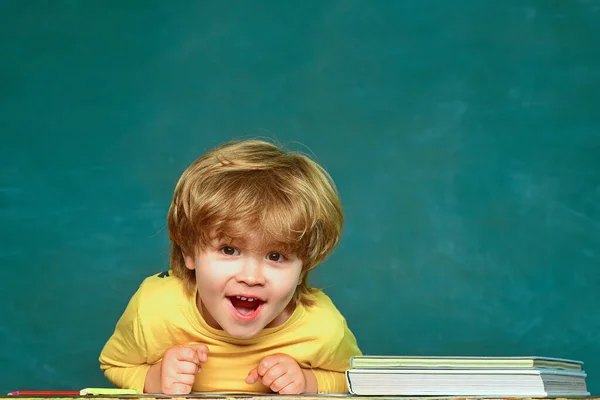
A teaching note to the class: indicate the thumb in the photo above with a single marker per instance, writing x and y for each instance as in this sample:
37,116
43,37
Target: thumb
201,350
252,376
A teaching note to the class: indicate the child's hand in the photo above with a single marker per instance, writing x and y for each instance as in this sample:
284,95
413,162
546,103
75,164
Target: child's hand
282,374
179,367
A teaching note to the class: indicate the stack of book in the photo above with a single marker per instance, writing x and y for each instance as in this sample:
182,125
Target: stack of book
466,376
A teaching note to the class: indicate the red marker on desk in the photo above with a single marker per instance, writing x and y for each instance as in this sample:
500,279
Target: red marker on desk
45,393
82,392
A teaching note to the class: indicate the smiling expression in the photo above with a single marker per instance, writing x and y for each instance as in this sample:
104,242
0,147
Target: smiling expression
244,287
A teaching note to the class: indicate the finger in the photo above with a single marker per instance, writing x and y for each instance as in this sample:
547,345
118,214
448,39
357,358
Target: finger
177,388
186,353
294,387
202,355
201,350
252,377
198,346
274,373
267,363
185,379
280,383
187,367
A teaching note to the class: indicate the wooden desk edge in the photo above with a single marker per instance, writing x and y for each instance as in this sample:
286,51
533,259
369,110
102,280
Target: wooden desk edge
286,397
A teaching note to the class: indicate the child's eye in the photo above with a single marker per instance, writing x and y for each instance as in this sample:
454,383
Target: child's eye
229,251
275,256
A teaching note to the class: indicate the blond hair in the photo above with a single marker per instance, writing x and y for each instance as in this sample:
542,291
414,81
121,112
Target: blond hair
251,187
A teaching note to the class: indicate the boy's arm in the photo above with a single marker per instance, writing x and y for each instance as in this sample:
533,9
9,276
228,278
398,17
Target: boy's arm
128,377
123,358
329,381
330,375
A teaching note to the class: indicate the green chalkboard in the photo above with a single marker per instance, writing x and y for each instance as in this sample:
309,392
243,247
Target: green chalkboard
464,137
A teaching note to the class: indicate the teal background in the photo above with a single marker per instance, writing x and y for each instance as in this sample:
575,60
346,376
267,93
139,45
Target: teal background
464,137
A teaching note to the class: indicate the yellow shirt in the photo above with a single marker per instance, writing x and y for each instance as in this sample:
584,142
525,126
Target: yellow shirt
161,314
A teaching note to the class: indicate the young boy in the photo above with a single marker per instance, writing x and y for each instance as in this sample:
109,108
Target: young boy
248,222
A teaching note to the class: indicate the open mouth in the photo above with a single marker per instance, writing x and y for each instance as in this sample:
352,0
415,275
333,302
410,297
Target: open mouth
246,306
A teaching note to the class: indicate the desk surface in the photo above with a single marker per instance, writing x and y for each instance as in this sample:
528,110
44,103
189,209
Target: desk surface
287,397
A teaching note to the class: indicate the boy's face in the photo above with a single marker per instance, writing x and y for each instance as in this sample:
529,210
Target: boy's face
244,287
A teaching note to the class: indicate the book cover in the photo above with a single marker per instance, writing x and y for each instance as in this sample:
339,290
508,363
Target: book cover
464,362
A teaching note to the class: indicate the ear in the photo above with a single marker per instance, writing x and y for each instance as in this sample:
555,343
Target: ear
189,262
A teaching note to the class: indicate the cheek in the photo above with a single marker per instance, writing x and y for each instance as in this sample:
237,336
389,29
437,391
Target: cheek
206,282
213,278
286,282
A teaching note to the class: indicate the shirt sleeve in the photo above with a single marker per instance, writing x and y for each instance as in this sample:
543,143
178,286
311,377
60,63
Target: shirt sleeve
123,358
331,374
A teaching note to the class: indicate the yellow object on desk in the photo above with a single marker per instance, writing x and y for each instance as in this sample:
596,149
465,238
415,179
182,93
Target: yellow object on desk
106,391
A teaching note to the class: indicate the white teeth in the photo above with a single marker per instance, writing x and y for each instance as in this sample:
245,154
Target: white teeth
245,298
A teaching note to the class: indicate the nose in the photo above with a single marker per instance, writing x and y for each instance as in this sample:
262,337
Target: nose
251,272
